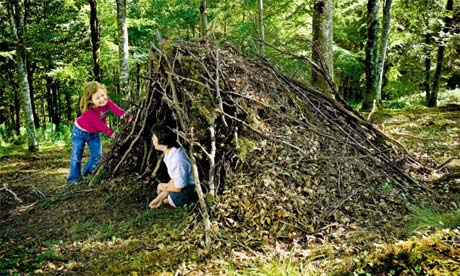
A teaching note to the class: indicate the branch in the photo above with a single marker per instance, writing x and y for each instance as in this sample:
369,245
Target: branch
5,187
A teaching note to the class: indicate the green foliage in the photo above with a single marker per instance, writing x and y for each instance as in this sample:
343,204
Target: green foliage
277,267
449,97
412,101
246,146
417,100
356,105
348,64
423,217
50,135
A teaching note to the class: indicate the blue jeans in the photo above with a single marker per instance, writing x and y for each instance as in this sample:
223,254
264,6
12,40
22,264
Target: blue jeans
186,196
79,139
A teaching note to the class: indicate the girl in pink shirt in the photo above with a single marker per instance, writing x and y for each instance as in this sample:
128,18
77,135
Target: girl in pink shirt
94,105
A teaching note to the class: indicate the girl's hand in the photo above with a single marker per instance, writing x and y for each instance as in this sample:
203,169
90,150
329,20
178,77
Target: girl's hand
127,117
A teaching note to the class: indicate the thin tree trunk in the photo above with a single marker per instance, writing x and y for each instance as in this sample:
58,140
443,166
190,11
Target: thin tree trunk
433,99
16,14
123,46
384,43
136,94
427,80
2,110
203,19
371,55
16,110
427,50
55,98
68,104
94,24
322,48
30,72
260,25
226,8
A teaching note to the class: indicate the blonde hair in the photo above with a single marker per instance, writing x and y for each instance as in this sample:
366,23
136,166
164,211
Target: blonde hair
90,89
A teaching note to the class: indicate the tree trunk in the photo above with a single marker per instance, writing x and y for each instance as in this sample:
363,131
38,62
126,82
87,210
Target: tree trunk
371,67
203,18
16,110
427,80
123,46
30,72
260,25
322,48
68,104
52,99
94,24
432,100
16,14
3,118
137,92
384,43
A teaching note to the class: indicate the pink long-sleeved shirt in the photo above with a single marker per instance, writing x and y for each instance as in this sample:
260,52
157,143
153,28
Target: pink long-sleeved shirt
94,119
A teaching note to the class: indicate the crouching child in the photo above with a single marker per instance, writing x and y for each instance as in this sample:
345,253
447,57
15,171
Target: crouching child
180,189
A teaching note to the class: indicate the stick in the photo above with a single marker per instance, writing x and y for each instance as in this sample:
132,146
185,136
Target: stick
5,187
203,207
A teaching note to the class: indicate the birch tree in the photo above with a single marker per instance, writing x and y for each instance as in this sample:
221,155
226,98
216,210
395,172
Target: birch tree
16,18
383,44
427,51
123,46
260,25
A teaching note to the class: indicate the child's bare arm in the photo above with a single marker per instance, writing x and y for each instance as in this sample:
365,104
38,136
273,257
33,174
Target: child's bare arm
155,203
170,187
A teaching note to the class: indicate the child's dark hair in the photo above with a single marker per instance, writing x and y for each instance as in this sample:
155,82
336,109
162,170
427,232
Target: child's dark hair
164,134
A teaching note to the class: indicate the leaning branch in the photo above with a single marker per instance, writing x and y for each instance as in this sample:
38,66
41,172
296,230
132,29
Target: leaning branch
5,187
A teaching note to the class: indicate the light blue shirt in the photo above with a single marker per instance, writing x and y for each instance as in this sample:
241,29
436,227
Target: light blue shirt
179,167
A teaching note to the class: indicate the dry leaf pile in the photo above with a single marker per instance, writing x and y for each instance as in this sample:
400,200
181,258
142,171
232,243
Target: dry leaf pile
282,159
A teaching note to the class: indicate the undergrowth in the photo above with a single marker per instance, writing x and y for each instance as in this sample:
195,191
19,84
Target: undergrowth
425,217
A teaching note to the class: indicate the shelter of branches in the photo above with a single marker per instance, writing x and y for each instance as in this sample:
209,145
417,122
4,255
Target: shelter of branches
277,158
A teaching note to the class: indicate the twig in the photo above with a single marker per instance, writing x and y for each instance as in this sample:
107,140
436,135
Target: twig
219,97
444,164
5,187
408,135
264,135
446,177
339,204
40,193
203,206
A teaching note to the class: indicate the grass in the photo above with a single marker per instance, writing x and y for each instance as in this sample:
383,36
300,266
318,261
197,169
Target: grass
424,217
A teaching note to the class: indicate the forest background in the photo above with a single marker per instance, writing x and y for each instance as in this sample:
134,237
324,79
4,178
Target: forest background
49,49
386,54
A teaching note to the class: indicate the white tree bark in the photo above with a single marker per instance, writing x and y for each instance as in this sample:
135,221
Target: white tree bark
384,43
123,46
260,25
16,15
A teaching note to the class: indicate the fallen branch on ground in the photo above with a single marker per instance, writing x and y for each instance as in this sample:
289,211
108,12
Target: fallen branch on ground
5,187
